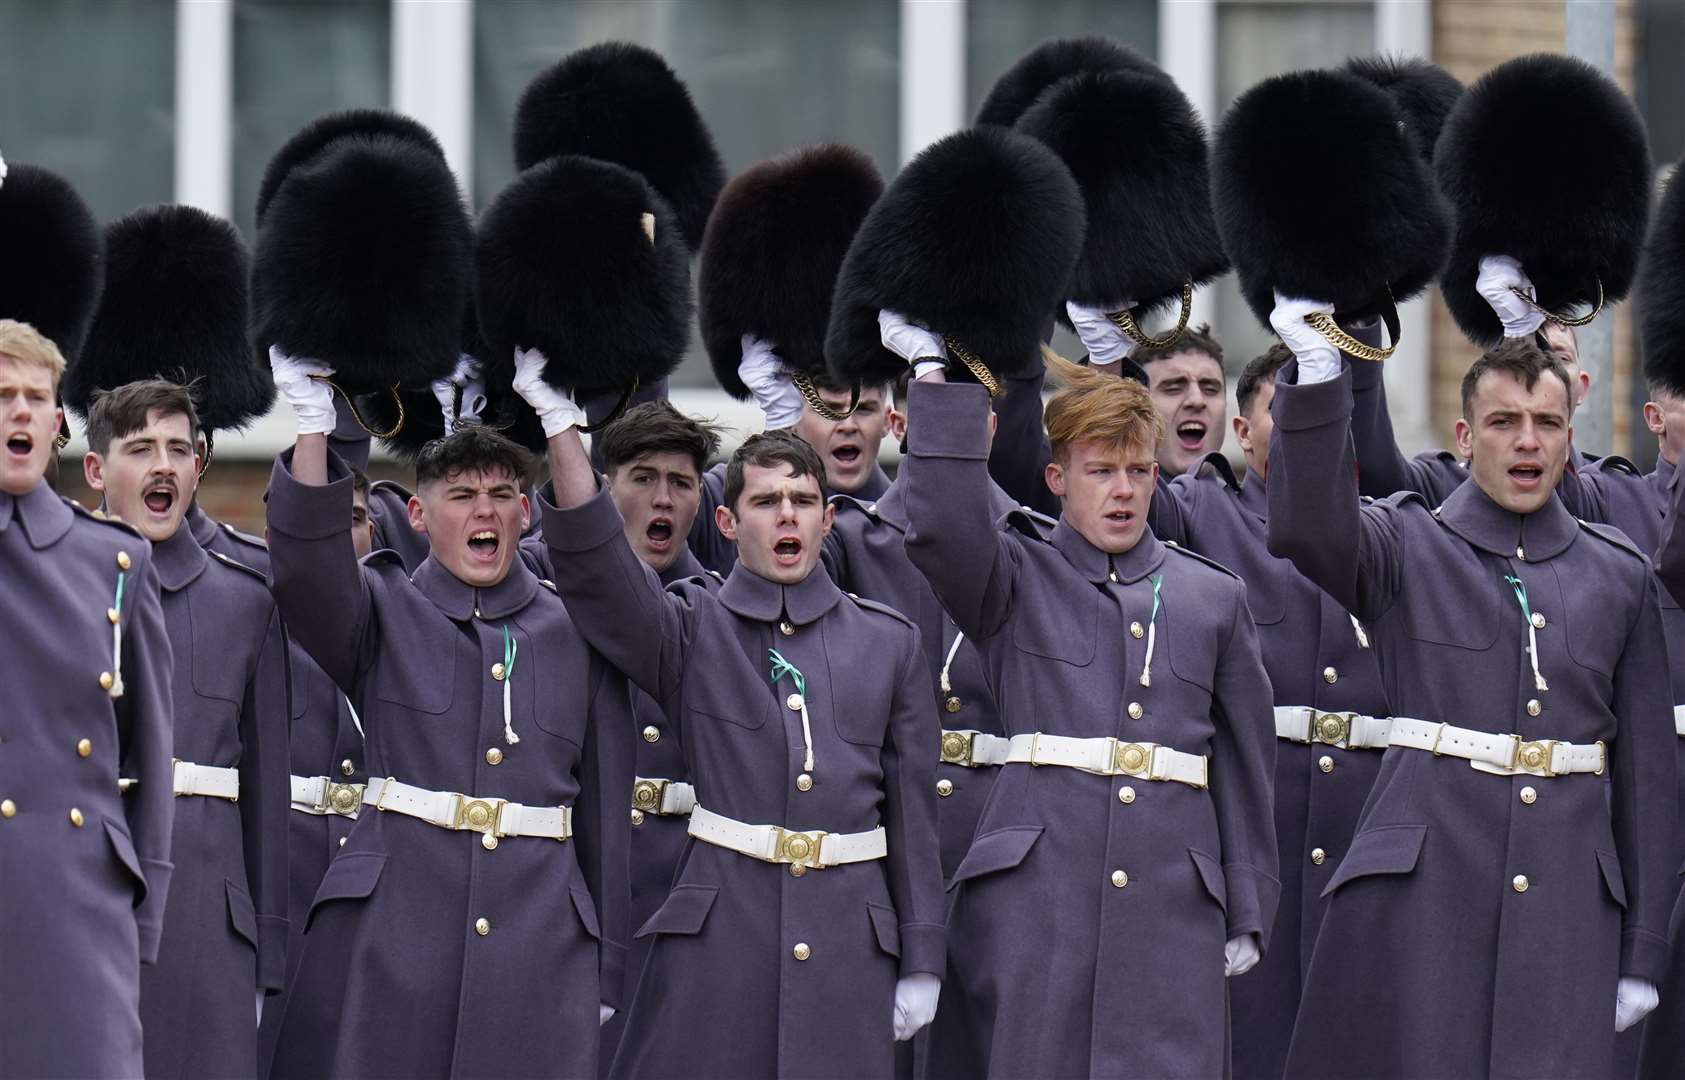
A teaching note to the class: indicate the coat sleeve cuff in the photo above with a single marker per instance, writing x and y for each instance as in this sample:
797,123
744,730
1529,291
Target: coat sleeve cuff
953,421
1251,901
1315,405
923,949
611,975
1643,955
271,952
585,527
149,917
306,511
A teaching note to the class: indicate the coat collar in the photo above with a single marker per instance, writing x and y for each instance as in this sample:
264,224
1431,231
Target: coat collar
1545,533
1097,566
180,560
685,566
754,597
461,601
201,524
45,516
1255,495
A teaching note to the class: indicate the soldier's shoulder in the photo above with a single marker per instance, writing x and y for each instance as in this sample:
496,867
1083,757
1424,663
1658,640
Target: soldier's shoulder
385,562
391,488
1616,465
851,508
245,539
238,567
1203,561
94,522
1615,538
880,609
1030,523
1213,468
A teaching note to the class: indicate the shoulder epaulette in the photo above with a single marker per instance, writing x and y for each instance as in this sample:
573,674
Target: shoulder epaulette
1613,536
849,502
393,486
1031,523
1615,463
103,518
882,609
1221,466
245,538
384,557
1213,563
715,574
236,565
548,584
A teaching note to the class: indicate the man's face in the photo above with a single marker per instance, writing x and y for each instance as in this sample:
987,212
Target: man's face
657,496
1252,429
1106,490
1566,346
849,448
1664,415
28,422
148,477
473,521
362,529
1517,440
777,523
1187,389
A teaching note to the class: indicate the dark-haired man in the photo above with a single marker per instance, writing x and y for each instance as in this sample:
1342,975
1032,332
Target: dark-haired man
87,671
1186,380
1518,844
225,930
804,930
483,891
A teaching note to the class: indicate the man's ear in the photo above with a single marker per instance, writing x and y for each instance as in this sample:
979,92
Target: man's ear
726,522
1654,419
418,515
93,470
1465,439
825,524
1243,433
526,512
896,422
1054,475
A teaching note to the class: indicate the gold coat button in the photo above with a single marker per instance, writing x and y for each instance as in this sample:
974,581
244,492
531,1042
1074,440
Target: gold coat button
494,756
482,926
1533,707
112,615
1136,631
952,704
1318,856
76,817
488,841
8,808
1519,883
105,680
801,951
1135,710
1325,763
944,787
1529,796
637,817
652,734
123,562
348,767
794,702
1119,879
804,782
785,628
1126,795
1538,621
497,671
84,747
1329,675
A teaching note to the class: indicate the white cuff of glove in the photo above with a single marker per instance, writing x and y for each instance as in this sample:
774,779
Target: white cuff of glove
910,341
467,379
605,1013
299,382
1634,1000
1241,954
1499,277
1106,344
1319,361
556,411
915,1003
774,390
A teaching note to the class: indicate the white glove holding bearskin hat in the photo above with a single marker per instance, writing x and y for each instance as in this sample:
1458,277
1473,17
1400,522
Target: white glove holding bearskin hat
301,382
771,386
1106,344
912,343
556,410
1499,278
1318,359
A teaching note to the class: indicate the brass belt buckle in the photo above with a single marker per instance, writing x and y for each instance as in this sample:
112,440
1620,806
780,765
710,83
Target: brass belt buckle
647,795
957,748
799,849
1133,759
1334,729
1534,757
342,799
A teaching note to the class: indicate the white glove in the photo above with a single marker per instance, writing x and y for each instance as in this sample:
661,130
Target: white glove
1499,276
915,1003
912,343
300,383
1106,344
1241,954
775,392
556,410
1634,1000
605,1013
1318,360
465,378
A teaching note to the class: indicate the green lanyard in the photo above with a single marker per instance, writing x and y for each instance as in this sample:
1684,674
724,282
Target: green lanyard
780,668
1152,632
1520,589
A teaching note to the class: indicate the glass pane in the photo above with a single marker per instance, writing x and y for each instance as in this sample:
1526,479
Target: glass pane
87,89
293,61
766,77
998,32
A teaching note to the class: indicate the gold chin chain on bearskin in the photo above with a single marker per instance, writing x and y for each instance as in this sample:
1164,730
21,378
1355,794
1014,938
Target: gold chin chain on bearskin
351,404
979,370
810,394
1125,321
1324,324
1564,320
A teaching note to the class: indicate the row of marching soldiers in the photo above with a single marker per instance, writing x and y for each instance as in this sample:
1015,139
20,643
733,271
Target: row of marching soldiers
1071,751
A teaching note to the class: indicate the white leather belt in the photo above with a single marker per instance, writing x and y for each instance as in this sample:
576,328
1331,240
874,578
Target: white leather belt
801,851
216,781
1110,757
321,795
491,818
1347,730
1679,719
973,749
1501,755
662,796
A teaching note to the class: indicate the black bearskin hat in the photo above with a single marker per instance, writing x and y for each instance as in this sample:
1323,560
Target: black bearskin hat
55,267
621,103
317,135
1661,292
975,239
771,254
1016,90
1424,93
1545,160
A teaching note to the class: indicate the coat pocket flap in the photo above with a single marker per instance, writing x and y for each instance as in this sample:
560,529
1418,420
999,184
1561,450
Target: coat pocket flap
124,849
241,915
1390,849
999,850
586,907
887,927
684,911
1611,867
351,876
1211,874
